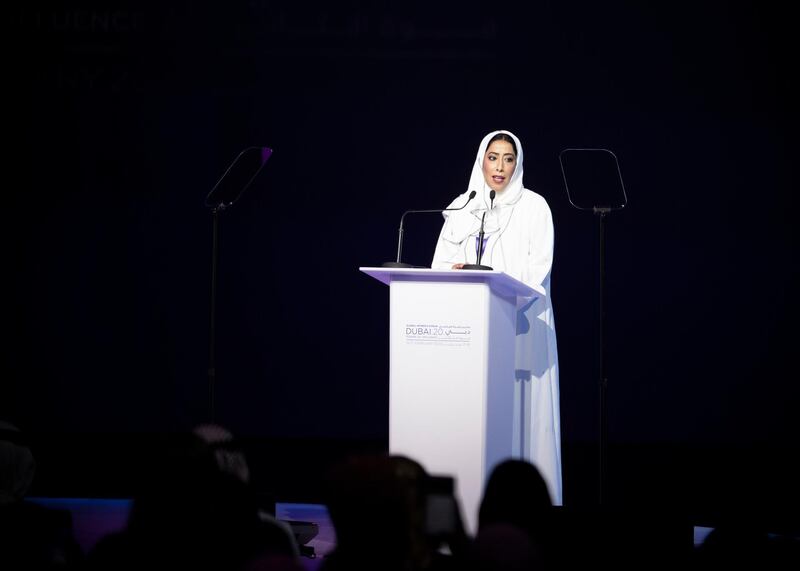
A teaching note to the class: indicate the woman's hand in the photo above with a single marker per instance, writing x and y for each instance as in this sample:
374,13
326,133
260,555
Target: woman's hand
458,266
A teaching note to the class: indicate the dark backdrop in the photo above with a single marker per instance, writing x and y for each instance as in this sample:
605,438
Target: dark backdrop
123,115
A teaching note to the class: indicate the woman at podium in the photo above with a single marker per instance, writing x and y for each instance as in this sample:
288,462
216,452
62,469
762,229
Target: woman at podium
509,228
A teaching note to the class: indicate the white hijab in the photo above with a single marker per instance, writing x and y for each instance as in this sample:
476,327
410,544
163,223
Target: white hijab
477,182
464,223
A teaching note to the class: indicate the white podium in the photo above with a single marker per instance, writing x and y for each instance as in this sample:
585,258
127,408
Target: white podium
451,372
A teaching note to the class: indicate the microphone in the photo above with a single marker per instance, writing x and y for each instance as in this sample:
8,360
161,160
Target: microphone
398,263
478,265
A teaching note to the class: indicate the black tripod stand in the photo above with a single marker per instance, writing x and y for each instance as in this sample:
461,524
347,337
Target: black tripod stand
594,183
226,192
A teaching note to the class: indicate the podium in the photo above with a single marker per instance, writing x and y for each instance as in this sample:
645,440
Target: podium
451,372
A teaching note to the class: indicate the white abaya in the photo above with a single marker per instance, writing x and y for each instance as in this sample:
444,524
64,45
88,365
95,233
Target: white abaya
518,241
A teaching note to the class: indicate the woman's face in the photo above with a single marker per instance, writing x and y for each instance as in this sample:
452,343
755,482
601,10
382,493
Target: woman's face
499,163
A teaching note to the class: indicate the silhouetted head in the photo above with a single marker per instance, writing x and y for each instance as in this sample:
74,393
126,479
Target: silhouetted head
191,509
515,494
501,546
376,505
227,453
17,466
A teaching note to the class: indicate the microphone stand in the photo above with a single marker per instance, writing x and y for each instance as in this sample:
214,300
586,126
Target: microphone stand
478,265
398,263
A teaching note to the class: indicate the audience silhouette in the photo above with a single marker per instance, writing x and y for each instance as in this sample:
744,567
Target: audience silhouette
31,536
515,519
379,506
196,509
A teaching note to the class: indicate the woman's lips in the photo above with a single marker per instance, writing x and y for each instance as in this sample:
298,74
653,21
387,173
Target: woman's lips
498,178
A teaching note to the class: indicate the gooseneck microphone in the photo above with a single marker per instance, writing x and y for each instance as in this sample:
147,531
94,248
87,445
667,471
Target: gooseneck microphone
398,263
478,265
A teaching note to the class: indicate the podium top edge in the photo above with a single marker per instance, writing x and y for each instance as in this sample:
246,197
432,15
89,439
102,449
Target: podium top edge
496,278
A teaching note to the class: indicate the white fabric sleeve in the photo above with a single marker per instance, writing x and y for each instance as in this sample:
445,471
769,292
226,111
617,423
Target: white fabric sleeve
540,248
455,229
447,253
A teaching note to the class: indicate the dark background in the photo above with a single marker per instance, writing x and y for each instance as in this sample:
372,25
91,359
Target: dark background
121,117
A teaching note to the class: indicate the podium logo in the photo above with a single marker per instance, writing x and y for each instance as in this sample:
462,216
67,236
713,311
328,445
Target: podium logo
436,334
